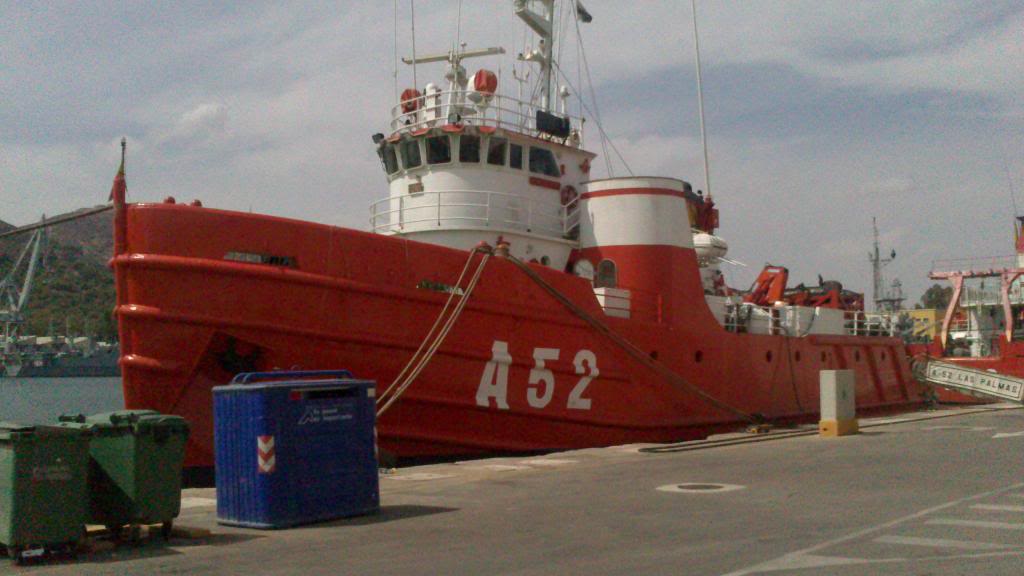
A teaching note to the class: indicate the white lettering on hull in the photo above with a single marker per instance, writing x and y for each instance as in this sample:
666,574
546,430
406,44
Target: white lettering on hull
540,386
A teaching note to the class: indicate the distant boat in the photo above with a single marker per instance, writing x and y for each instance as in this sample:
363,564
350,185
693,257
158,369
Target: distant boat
46,357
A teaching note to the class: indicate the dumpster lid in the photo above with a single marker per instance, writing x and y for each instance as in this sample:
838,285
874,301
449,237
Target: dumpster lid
117,418
290,378
137,419
9,430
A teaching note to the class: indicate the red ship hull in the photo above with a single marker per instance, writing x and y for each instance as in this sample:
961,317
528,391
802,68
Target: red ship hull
191,316
1009,361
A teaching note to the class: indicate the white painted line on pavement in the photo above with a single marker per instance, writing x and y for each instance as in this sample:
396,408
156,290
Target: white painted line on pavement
998,507
418,476
941,543
547,462
503,467
976,524
196,502
769,566
1008,434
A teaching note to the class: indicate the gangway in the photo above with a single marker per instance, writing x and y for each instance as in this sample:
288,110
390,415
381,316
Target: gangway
972,381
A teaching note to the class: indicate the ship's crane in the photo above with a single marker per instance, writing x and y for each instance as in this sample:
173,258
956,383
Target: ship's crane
770,288
16,287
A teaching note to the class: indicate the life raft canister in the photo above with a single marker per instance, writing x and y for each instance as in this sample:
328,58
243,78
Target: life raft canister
485,82
410,100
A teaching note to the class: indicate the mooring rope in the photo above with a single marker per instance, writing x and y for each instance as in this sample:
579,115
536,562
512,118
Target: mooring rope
400,385
628,346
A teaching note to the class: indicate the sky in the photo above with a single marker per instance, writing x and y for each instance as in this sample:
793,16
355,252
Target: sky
821,114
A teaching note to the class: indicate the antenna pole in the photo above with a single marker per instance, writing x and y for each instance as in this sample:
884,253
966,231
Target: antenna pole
700,101
412,10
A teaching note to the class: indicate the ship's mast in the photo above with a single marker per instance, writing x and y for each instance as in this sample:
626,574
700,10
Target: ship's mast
455,74
700,100
542,23
885,300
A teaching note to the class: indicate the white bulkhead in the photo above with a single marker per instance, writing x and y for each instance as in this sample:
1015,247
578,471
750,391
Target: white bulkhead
634,211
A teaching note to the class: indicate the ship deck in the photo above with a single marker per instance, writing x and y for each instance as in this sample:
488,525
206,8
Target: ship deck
937,492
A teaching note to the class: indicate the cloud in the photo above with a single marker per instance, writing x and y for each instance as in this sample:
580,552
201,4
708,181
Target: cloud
200,124
820,113
895,185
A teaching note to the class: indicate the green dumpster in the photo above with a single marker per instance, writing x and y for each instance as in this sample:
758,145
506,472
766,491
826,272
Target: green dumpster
43,488
135,473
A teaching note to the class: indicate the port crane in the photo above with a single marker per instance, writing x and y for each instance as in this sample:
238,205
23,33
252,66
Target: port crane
16,287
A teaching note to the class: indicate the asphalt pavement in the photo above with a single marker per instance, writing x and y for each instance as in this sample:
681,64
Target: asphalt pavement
929,493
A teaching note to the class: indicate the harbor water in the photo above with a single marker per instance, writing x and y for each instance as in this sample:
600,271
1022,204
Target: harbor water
29,400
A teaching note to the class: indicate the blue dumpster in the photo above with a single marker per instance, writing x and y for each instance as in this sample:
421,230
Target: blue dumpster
294,448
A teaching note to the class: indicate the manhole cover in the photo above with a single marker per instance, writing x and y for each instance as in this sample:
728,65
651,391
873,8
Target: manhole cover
697,487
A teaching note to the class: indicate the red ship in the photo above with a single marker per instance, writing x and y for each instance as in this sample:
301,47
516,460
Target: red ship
983,325
505,300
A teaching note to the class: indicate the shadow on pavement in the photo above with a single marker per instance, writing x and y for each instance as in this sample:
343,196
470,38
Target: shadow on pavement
386,514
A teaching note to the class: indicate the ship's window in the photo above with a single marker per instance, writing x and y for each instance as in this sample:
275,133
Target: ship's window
411,154
515,156
542,161
389,158
496,151
607,275
439,150
469,148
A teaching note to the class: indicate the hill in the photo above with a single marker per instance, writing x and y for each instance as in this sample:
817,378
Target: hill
74,288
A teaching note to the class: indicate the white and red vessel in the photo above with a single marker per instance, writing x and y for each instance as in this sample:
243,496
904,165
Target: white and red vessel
983,325
607,322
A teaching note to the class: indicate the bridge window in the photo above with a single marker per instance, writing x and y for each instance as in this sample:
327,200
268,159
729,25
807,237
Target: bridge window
469,148
542,161
607,275
389,158
411,154
439,150
496,151
515,156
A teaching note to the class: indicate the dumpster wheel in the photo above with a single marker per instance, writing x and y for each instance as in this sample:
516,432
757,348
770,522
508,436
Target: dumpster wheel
115,532
165,530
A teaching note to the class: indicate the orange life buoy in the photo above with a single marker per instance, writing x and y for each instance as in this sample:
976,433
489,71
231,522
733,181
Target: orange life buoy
410,100
568,194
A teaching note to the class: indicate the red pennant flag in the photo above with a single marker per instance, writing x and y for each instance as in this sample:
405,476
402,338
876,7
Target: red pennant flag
118,190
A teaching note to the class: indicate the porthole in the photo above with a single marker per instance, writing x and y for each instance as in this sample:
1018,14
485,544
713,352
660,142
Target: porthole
796,355
698,356
768,356
654,354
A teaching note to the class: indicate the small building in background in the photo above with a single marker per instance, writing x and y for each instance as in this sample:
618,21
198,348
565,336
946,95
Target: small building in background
927,322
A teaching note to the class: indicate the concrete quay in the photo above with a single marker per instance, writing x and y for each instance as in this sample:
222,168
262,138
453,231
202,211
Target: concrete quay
936,492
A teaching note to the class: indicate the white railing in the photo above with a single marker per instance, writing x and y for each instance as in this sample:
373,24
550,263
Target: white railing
751,318
859,323
452,107
747,317
453,209
977,265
